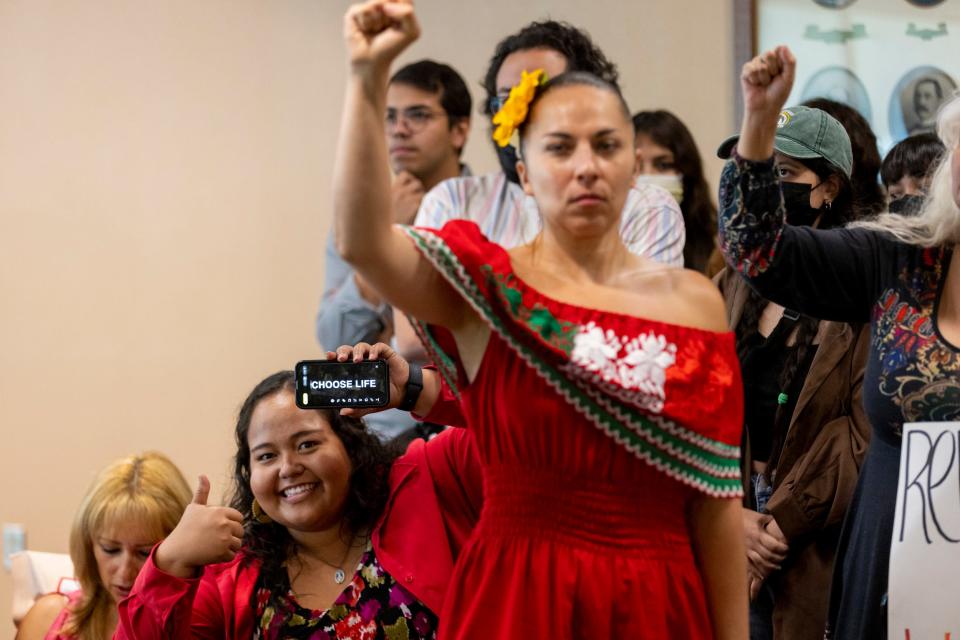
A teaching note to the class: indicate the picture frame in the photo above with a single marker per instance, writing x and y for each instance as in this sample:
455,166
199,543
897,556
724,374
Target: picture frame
892,60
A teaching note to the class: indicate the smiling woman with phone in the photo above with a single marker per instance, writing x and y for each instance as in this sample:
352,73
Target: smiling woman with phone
602,389
328,534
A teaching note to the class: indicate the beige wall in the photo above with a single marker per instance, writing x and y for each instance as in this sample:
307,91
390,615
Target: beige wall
164,197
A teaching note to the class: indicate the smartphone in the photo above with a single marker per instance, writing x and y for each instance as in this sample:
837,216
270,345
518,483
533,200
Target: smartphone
328,384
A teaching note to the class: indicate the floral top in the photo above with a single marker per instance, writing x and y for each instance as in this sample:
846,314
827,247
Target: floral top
373,606
912,374
850,275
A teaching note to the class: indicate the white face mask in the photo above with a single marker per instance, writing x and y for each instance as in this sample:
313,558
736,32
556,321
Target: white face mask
672,183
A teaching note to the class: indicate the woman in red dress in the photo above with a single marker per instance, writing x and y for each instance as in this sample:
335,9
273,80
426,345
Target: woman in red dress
602,389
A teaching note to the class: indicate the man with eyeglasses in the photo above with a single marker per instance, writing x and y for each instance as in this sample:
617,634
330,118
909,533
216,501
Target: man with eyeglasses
427,123
651,225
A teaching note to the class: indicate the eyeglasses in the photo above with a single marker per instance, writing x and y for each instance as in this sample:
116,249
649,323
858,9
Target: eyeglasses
415,118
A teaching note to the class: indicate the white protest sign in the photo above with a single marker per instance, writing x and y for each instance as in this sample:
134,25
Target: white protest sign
924,602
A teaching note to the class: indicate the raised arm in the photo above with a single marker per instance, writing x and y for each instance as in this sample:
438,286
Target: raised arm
172,597
163,606
833,274
375,33
399,370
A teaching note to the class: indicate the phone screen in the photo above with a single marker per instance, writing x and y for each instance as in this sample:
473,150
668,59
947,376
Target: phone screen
328,384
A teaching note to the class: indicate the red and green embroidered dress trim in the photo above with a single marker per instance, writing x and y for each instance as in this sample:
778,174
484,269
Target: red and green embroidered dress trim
547,343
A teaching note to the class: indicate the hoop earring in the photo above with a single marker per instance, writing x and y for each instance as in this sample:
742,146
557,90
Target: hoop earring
827,205
258,513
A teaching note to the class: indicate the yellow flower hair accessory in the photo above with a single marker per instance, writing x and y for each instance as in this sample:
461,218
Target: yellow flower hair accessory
514,110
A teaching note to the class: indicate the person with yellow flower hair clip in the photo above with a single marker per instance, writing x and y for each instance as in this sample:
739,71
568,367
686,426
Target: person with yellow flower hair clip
602,389
652,224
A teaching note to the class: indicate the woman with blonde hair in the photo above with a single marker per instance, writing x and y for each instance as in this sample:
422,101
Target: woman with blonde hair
132,505
900,274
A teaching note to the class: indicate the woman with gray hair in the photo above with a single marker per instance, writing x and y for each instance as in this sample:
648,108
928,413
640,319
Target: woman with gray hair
894,272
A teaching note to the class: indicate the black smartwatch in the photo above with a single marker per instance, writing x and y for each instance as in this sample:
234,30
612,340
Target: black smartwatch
414,387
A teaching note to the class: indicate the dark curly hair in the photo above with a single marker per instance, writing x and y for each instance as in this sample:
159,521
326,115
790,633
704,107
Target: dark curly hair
866,157
370,459
699,212
574,44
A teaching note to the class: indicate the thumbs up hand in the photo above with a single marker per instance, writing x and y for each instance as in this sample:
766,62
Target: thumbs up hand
205,534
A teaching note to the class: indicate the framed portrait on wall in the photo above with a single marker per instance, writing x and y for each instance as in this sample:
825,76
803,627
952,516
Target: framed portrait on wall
895,61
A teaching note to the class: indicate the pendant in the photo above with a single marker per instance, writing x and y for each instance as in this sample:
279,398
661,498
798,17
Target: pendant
339,576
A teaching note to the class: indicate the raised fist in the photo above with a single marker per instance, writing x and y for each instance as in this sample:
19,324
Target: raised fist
377,31
767,80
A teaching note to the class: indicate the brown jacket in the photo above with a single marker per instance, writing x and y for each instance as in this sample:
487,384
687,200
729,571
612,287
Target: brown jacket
817,468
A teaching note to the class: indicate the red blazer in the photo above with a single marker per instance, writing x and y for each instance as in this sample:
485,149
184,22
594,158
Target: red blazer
435,499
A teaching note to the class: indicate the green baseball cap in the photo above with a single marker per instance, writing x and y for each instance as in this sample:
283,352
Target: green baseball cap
804,133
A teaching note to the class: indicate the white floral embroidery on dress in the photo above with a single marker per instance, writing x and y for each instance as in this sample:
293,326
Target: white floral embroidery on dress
638,363
596,350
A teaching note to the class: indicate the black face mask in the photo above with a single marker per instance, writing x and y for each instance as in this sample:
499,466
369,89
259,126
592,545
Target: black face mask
796,198
507,156
907,205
